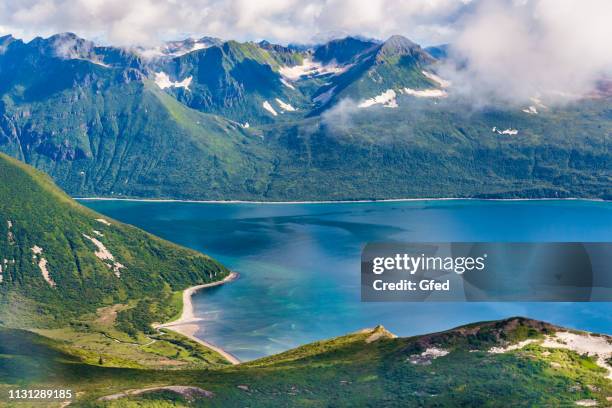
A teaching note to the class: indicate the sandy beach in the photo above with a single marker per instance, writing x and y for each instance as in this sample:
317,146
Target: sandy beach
186,324
384,200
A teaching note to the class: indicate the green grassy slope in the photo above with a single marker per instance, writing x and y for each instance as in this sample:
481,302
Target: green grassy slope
35,213
89,280
368,368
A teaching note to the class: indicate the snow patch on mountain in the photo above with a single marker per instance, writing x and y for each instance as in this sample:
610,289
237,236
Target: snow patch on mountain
163,81
531,110
325,96
42,265
512,347
266,105
287,84
285,106
309,68
106,256
93,61
508,131
172,49
535,107
426,357
424,93
386,99
440,81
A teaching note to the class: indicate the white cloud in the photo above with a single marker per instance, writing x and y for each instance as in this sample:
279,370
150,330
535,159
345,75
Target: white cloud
340,116
512,49
146,22
553,49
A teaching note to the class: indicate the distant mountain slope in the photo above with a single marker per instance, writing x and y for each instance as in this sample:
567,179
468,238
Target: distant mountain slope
393,65
343,50
114,130
60,260
440,148
265,83
513,362
238,81
438,51
350,119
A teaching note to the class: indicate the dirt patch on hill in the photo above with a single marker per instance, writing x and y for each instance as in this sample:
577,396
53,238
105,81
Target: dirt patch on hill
108,315
188,392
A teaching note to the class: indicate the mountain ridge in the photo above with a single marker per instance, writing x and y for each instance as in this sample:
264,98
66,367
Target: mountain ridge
263,122
522,359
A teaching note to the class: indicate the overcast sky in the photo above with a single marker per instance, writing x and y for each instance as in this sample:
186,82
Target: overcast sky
149,21
513,48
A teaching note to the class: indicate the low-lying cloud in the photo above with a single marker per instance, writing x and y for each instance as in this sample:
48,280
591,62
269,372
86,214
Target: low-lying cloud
502,50
553,50
146,22
340,116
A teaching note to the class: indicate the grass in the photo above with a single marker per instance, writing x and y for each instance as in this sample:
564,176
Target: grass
345,371
98,337
36,213
104,318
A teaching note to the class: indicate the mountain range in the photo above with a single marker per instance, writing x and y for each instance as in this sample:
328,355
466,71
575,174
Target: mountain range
349,119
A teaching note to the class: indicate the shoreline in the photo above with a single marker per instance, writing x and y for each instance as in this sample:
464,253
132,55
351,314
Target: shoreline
386,200
186,323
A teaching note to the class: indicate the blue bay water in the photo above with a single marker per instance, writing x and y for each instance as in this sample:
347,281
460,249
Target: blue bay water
299,264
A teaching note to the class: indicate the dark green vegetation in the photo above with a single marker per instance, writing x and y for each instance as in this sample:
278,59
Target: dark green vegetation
431,151
368,368
234,80
35,213
95,119
85,279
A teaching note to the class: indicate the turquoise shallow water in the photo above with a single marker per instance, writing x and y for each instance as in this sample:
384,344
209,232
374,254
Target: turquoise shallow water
299,263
